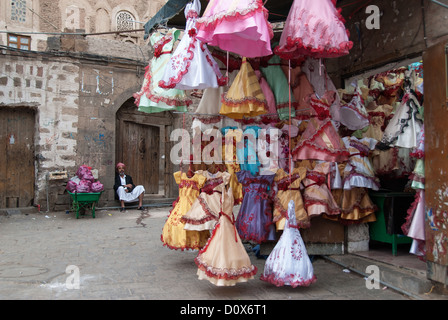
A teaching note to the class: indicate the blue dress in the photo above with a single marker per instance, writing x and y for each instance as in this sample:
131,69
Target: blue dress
254,221
247,156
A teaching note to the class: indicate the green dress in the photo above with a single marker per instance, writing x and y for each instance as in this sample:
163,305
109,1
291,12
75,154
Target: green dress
278,82
152,98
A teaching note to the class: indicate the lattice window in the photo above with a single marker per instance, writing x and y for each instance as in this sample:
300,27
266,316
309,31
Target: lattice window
18,10
125,21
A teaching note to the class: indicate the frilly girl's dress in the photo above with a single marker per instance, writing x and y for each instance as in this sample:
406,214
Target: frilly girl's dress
289,264
245,97
288,188
254,221
239,26
224,260
231,138
204,212
152,98
315,29
191,66
174,236
320,140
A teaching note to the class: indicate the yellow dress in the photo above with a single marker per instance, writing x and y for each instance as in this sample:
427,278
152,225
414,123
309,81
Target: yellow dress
173,234
289,191
204,213
245,97
231,136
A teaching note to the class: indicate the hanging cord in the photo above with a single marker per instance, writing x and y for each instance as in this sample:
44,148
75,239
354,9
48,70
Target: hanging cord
289,127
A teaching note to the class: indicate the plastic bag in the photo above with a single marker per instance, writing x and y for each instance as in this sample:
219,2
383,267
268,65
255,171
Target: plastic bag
97,187
82,170
84,186
71,186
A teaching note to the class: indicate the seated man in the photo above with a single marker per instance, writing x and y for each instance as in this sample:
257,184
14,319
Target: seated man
125,190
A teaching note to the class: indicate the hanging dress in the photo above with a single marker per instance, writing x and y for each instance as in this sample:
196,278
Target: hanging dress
151,98
224,260
288,188
174,236
191,66
239,26
254,220
359,171
245,97
278,83
204,213
353,114
405,125
320,141
289,264
414,227
247,152
315,29
231,138
317,195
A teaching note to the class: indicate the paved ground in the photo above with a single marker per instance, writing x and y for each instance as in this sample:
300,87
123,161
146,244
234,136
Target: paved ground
120,256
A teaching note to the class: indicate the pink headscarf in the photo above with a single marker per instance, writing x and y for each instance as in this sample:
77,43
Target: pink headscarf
120,164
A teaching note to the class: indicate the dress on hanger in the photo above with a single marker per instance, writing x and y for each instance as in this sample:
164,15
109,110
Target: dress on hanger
204,212
405,125
315,29
152,98
278,83
224,260
247,154
239,26
245,97
320,140
289,264
359,171
288,188
174,236
317,195
231,138
254,220
191,66
353,114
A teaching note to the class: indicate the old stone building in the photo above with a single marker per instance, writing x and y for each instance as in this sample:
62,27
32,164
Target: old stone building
68,71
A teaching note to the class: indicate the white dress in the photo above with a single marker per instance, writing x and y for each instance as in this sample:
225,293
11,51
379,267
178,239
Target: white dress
288,263
191,66
359,171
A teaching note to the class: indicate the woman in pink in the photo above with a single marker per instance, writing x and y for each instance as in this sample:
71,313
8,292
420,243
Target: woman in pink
315,29
237,26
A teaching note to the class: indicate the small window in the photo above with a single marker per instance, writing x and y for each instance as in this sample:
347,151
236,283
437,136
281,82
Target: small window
19,41
125,21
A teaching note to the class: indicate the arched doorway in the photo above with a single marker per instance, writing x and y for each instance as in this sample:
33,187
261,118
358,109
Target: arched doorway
142,144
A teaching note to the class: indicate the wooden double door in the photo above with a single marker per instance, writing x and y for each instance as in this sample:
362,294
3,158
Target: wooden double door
17,170
141,144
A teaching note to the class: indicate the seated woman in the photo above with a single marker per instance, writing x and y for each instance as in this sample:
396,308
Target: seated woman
125,190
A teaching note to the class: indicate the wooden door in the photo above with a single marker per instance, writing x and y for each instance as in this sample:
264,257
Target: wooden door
16,157
140,153
435,64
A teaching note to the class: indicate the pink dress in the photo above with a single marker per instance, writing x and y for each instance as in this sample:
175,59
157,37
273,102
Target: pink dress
314,28
320,140
238,26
